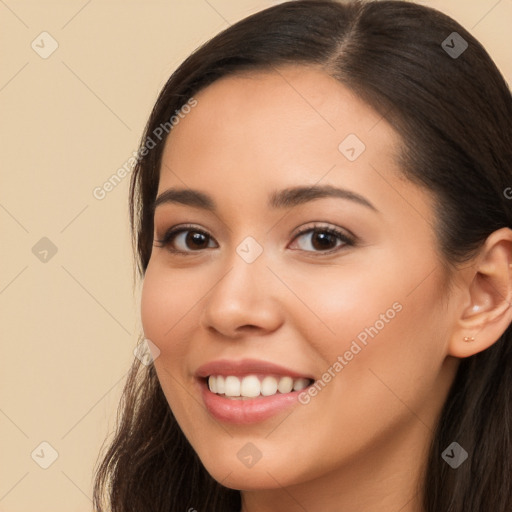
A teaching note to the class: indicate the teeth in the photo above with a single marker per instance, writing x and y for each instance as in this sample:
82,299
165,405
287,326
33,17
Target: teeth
268,386
250,386
221,385
285,385
298,385
212,384
232,386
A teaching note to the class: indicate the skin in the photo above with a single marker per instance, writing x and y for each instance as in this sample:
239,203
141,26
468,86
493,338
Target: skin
361,443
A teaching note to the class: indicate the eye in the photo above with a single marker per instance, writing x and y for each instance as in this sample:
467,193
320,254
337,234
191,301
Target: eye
185,239
189,239
322,239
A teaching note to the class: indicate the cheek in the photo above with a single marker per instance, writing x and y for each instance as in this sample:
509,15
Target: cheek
168,300
339,304
167,310
374,321
381,365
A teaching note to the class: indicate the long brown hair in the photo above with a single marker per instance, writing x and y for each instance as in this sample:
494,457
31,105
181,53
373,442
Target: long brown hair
454,114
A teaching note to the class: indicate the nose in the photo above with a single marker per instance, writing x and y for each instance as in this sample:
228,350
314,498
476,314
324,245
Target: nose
244,299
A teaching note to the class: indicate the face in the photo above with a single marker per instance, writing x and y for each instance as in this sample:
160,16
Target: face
306,263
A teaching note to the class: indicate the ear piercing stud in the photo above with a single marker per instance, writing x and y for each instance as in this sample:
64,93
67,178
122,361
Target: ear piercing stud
468,338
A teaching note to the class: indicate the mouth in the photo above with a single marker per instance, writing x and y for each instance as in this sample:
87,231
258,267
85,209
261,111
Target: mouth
249,391
254,386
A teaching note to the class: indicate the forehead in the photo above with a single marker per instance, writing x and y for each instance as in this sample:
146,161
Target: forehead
294,117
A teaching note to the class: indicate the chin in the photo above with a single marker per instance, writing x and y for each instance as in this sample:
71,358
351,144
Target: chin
246,479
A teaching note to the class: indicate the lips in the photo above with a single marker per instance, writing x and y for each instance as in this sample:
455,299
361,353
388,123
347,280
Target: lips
249,391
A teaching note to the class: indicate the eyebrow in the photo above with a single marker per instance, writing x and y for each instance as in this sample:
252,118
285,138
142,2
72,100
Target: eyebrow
286,198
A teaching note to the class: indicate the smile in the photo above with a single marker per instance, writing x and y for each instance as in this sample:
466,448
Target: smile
249,391
253,386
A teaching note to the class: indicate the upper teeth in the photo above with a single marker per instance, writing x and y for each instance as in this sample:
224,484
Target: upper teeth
251,386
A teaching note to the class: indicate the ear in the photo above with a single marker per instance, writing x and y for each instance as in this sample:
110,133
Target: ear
486,307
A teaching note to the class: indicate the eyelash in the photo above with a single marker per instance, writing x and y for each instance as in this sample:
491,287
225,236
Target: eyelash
173,232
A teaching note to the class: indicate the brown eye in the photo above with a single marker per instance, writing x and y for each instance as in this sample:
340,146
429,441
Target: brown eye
195,240
322,239
186,240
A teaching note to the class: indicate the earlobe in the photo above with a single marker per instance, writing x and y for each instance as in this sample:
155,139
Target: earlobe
486,311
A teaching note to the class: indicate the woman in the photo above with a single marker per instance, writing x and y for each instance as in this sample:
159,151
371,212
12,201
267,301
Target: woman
321,221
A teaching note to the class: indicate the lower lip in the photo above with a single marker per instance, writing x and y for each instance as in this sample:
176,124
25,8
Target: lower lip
248,410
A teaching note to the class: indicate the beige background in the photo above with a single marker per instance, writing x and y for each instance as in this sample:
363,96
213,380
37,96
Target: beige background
70,323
